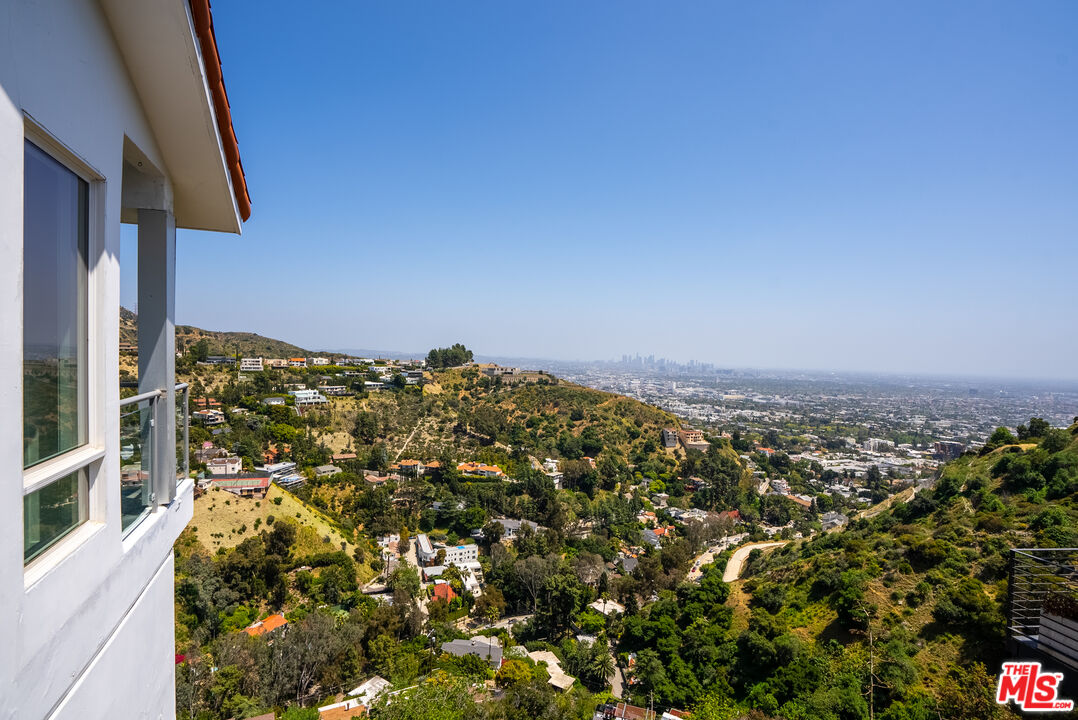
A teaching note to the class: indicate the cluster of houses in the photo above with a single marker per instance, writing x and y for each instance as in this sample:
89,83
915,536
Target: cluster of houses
410,468
435,558
224,471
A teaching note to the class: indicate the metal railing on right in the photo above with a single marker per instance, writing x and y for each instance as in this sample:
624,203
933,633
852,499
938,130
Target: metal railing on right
1039,577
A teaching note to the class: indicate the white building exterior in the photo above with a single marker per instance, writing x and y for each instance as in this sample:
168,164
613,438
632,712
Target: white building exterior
107,115
224,465
319,361
460,554
307,397
423,549
251,364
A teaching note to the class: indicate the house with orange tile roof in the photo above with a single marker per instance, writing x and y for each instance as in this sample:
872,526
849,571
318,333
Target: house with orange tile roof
264,626
443,591
481,469
411,468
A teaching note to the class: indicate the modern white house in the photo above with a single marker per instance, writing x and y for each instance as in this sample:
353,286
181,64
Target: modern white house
110,112
251,364
308,397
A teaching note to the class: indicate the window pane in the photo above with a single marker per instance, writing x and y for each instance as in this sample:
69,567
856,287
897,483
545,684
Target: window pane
52,512
54,307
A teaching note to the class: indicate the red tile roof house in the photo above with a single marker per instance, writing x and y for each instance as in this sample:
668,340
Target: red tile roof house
474,468
443,591
267,625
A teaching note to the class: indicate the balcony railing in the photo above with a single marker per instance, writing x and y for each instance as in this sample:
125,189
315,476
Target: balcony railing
143,468
1041,581
183,431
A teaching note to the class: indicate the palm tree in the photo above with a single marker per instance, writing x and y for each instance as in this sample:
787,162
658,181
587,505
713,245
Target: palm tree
600,665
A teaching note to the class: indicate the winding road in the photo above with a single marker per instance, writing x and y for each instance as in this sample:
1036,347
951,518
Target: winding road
737,560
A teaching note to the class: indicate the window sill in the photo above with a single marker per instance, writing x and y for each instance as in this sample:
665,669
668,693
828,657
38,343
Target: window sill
49,471
49,560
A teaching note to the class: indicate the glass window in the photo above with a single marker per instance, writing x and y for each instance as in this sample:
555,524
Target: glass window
55,216
52,512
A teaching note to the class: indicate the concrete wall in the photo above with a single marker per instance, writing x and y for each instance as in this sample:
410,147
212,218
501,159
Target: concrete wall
87,629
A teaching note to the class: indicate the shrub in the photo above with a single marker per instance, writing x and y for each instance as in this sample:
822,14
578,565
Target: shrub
966,606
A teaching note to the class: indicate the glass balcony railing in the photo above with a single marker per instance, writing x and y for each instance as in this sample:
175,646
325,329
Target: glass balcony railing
140,416
183,432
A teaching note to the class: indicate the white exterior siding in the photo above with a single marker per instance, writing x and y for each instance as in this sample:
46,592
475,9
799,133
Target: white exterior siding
88,627
461,554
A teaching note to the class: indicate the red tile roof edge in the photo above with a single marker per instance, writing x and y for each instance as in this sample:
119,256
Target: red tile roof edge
212,59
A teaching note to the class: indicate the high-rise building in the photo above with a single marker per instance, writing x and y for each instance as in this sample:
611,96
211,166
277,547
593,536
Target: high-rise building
110,112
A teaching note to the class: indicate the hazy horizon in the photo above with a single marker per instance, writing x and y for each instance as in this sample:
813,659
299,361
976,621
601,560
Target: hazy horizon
859,188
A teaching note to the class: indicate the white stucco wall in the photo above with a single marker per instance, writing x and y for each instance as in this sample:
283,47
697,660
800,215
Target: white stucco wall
96,615
122,663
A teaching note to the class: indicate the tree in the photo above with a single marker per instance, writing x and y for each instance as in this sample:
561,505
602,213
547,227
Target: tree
490,604
404,582
493,531
200,350
513,672
533,572
588,567
1001,436
439,697
366,428
440,358
1037,429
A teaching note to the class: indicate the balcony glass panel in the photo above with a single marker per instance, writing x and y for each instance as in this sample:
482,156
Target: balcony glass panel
183,467
136,460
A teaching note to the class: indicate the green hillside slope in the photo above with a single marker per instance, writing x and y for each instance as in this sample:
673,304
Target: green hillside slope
920,590
220,343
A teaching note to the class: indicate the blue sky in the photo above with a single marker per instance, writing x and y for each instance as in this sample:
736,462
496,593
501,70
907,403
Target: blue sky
828,185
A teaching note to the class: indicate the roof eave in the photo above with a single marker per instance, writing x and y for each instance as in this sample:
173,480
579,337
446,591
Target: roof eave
171,57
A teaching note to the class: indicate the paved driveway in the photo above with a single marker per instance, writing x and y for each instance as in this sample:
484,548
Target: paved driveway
737,560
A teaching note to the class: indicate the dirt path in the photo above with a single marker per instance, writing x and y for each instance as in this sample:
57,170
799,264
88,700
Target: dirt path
405,445
903,496
737,560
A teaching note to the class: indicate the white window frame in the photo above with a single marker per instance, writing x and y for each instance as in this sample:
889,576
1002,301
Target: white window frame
87,457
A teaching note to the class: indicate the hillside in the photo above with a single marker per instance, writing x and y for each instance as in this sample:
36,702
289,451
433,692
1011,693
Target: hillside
223,520
220,343
927,578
